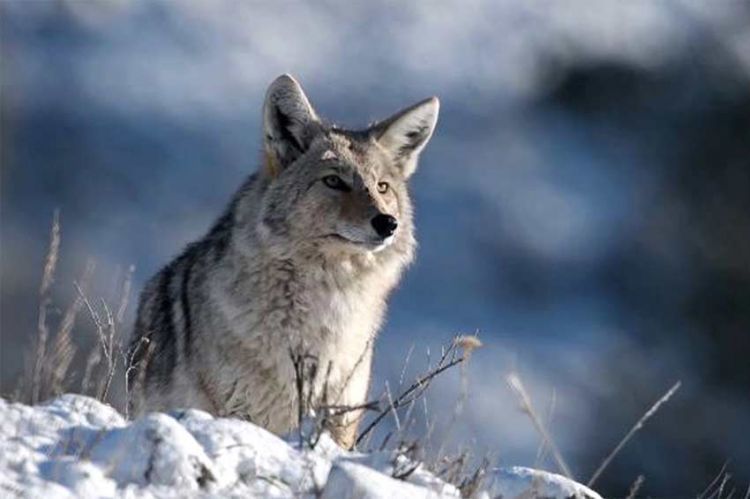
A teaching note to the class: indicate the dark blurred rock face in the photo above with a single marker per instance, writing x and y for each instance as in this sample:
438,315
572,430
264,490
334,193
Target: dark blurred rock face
684,279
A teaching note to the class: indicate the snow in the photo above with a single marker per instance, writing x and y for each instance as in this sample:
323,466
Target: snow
74,446
518,481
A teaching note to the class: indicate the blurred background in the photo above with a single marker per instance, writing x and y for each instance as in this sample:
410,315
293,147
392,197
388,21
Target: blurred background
584,204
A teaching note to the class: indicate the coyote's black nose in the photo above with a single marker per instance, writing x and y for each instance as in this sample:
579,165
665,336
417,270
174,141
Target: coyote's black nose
384,225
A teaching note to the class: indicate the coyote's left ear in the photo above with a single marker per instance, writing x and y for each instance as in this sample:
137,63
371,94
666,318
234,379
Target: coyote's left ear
289,123
406,133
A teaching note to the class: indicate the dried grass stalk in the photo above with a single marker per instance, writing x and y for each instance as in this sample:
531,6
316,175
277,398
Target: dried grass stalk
45,300
638,425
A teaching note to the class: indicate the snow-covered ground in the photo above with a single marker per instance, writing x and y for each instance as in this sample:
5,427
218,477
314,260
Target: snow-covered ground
74,446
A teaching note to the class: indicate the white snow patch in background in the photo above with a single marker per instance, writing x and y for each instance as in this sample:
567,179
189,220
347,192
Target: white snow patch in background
74,446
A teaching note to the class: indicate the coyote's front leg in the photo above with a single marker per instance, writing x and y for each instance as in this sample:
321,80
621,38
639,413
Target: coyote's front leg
344,424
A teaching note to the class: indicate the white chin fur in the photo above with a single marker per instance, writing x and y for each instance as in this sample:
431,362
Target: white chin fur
386,242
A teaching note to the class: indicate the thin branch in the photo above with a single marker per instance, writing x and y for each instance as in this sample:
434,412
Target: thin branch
415,390
130,367
107,333
340,410
109,354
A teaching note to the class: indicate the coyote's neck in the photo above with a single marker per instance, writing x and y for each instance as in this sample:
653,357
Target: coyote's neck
281,308
310,299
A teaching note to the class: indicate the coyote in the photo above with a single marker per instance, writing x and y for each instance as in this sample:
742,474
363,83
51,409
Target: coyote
301,263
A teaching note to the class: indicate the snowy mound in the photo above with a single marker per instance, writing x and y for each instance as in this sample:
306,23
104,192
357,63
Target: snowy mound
74,446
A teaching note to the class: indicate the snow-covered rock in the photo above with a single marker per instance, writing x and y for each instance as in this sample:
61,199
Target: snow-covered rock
518,481
74,446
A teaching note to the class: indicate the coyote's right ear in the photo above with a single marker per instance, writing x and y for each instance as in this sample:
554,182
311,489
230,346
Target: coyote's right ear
407,132
289,123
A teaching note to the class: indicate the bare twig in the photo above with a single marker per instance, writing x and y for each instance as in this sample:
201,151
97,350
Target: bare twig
403,475
385,441
340,410
130,368
517,386
305,370
416,389
405,461
109,353
638,425
135,374
107,333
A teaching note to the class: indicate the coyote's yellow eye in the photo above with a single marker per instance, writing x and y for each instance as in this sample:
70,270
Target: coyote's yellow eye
383,187
335,182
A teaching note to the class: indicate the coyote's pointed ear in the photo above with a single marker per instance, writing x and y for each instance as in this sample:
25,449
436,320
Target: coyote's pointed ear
407,132
289,123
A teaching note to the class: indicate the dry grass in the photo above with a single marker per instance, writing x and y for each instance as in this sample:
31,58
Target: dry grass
64,348
52,356
636,427
449,358
635,487
315,415
721,486
306,370
516,385
45,301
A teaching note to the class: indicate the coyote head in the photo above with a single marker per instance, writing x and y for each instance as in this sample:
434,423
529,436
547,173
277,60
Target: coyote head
339,191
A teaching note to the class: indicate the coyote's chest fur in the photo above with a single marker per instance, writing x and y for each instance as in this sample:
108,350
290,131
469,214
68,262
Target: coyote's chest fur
275,310
327,320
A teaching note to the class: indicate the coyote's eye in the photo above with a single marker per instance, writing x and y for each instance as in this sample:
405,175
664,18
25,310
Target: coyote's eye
335,182
383,187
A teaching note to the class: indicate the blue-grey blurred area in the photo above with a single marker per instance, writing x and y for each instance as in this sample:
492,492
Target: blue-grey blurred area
584,203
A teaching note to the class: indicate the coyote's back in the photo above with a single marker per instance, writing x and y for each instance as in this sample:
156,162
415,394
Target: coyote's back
296,272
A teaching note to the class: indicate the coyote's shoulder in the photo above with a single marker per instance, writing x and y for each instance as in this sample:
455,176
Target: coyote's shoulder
299,265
